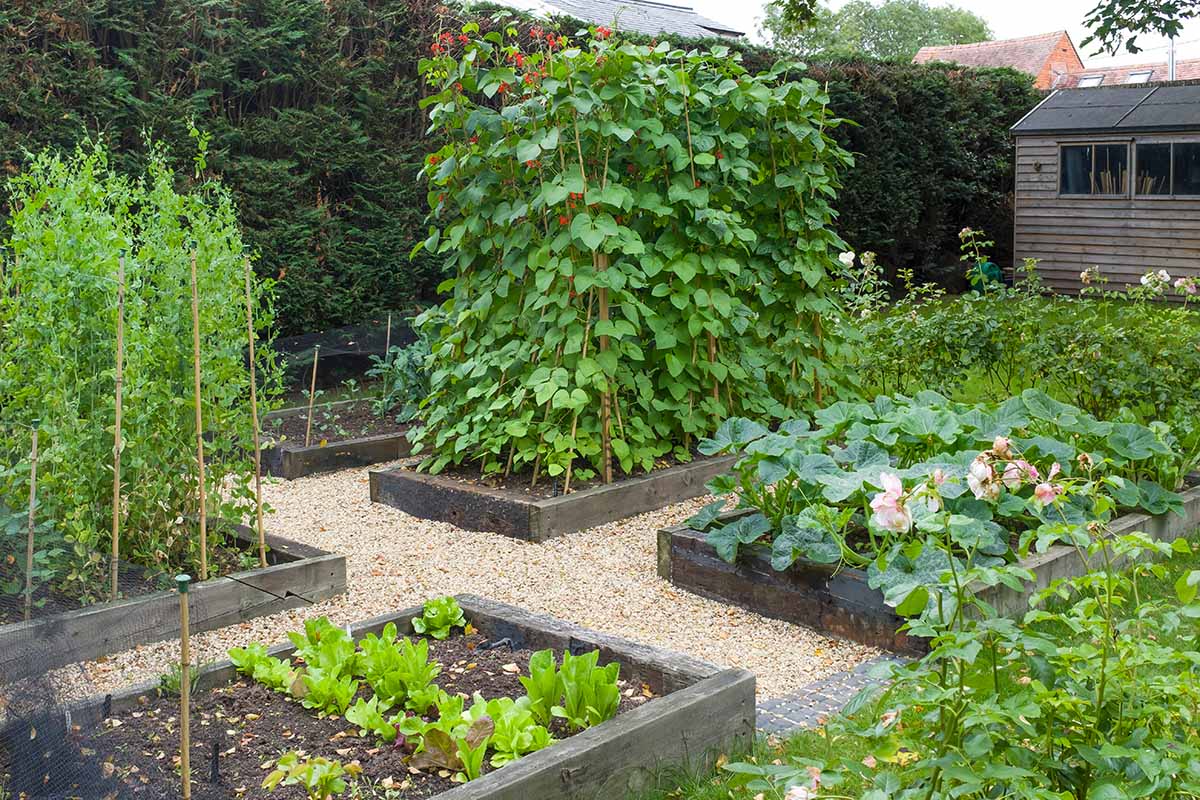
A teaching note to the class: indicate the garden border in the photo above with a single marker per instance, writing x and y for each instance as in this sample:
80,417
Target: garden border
481,508
300,576
704,710
290,460
840,603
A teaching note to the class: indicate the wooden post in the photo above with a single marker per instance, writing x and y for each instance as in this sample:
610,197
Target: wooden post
116,510
312,396
605,399
33,458
185,688
387,342
258,505
199,425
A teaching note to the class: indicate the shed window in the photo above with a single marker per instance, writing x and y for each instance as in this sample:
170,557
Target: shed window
1153,169
1095,169
1187,168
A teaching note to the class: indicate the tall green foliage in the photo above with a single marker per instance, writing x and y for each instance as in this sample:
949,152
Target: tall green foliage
641,244
74,219
312,107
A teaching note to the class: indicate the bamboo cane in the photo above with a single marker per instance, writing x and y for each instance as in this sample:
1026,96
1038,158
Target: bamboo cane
199,425
258,505
120,385
387,341
312,396
185,688
605,398
33,459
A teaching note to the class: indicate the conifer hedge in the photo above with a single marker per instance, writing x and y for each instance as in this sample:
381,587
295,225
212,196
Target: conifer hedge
313,110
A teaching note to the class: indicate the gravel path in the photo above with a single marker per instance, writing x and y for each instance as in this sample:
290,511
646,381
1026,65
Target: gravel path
603,579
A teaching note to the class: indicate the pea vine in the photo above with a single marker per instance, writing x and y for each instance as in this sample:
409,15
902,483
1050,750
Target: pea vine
75,220
640,244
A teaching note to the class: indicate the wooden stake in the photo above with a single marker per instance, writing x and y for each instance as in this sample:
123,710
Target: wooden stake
605,398
120,385
387,342
199,425
33,458
258,505
312,396
185,688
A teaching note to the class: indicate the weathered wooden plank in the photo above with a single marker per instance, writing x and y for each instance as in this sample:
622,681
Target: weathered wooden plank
303,575
290,460
475,507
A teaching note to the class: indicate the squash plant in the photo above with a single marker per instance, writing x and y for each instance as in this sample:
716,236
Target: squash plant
640,245
74,219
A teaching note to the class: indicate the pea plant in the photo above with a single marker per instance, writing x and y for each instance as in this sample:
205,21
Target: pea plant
74,220
640,245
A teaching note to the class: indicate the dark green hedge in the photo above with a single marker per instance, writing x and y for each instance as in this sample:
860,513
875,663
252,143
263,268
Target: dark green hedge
312,106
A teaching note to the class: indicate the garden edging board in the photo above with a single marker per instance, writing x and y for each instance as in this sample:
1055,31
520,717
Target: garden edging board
700,710
840,603
290,460
297,576
481,508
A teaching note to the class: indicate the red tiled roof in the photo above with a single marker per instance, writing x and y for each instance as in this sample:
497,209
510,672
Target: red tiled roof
1028,54
1185,70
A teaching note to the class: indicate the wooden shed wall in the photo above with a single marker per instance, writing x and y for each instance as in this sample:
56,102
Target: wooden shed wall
1123,236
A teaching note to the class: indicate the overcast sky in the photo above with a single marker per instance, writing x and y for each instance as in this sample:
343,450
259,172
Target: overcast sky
1007,18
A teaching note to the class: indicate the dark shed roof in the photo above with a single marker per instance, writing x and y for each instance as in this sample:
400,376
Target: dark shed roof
1121,109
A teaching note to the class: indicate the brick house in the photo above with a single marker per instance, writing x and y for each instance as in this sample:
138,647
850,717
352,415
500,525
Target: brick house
1049,58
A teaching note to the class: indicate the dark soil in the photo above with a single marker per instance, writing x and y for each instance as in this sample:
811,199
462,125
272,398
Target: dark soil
518,483
250,726
351,421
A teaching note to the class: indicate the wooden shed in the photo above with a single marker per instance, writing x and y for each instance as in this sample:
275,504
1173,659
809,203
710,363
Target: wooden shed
1110,177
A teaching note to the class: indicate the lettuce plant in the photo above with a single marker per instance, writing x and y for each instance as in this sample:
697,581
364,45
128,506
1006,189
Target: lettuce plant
517,732
543,686
439,617
325,646
254,661
327,692
590,692
320,778
368,715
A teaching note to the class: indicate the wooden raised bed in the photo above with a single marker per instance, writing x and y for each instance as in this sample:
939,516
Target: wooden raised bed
291,459
840,603
297,575
482,508
704,711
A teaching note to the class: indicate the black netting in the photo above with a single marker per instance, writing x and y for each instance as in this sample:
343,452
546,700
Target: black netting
344,352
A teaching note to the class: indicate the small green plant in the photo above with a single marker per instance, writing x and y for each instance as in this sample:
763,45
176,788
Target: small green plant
320,778
439,617
590,692
400,672
254,661
169,682
325,646
517,732
405,380
543,686
368,715
326,692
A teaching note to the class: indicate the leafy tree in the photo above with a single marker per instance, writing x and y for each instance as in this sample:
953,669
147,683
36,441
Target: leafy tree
1118,22
641,244
896,29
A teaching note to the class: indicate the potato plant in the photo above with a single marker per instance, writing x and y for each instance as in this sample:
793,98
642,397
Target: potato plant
74,219
640,244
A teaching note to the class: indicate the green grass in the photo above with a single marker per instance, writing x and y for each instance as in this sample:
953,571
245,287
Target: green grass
816,746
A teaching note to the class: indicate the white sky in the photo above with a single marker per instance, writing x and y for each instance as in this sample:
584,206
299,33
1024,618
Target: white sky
1007,18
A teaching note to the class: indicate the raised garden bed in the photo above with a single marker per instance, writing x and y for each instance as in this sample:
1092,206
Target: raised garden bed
345,434
695,712
523,515
296,576
841,603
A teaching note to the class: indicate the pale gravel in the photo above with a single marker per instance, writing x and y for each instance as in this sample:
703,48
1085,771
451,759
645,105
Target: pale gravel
604,578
